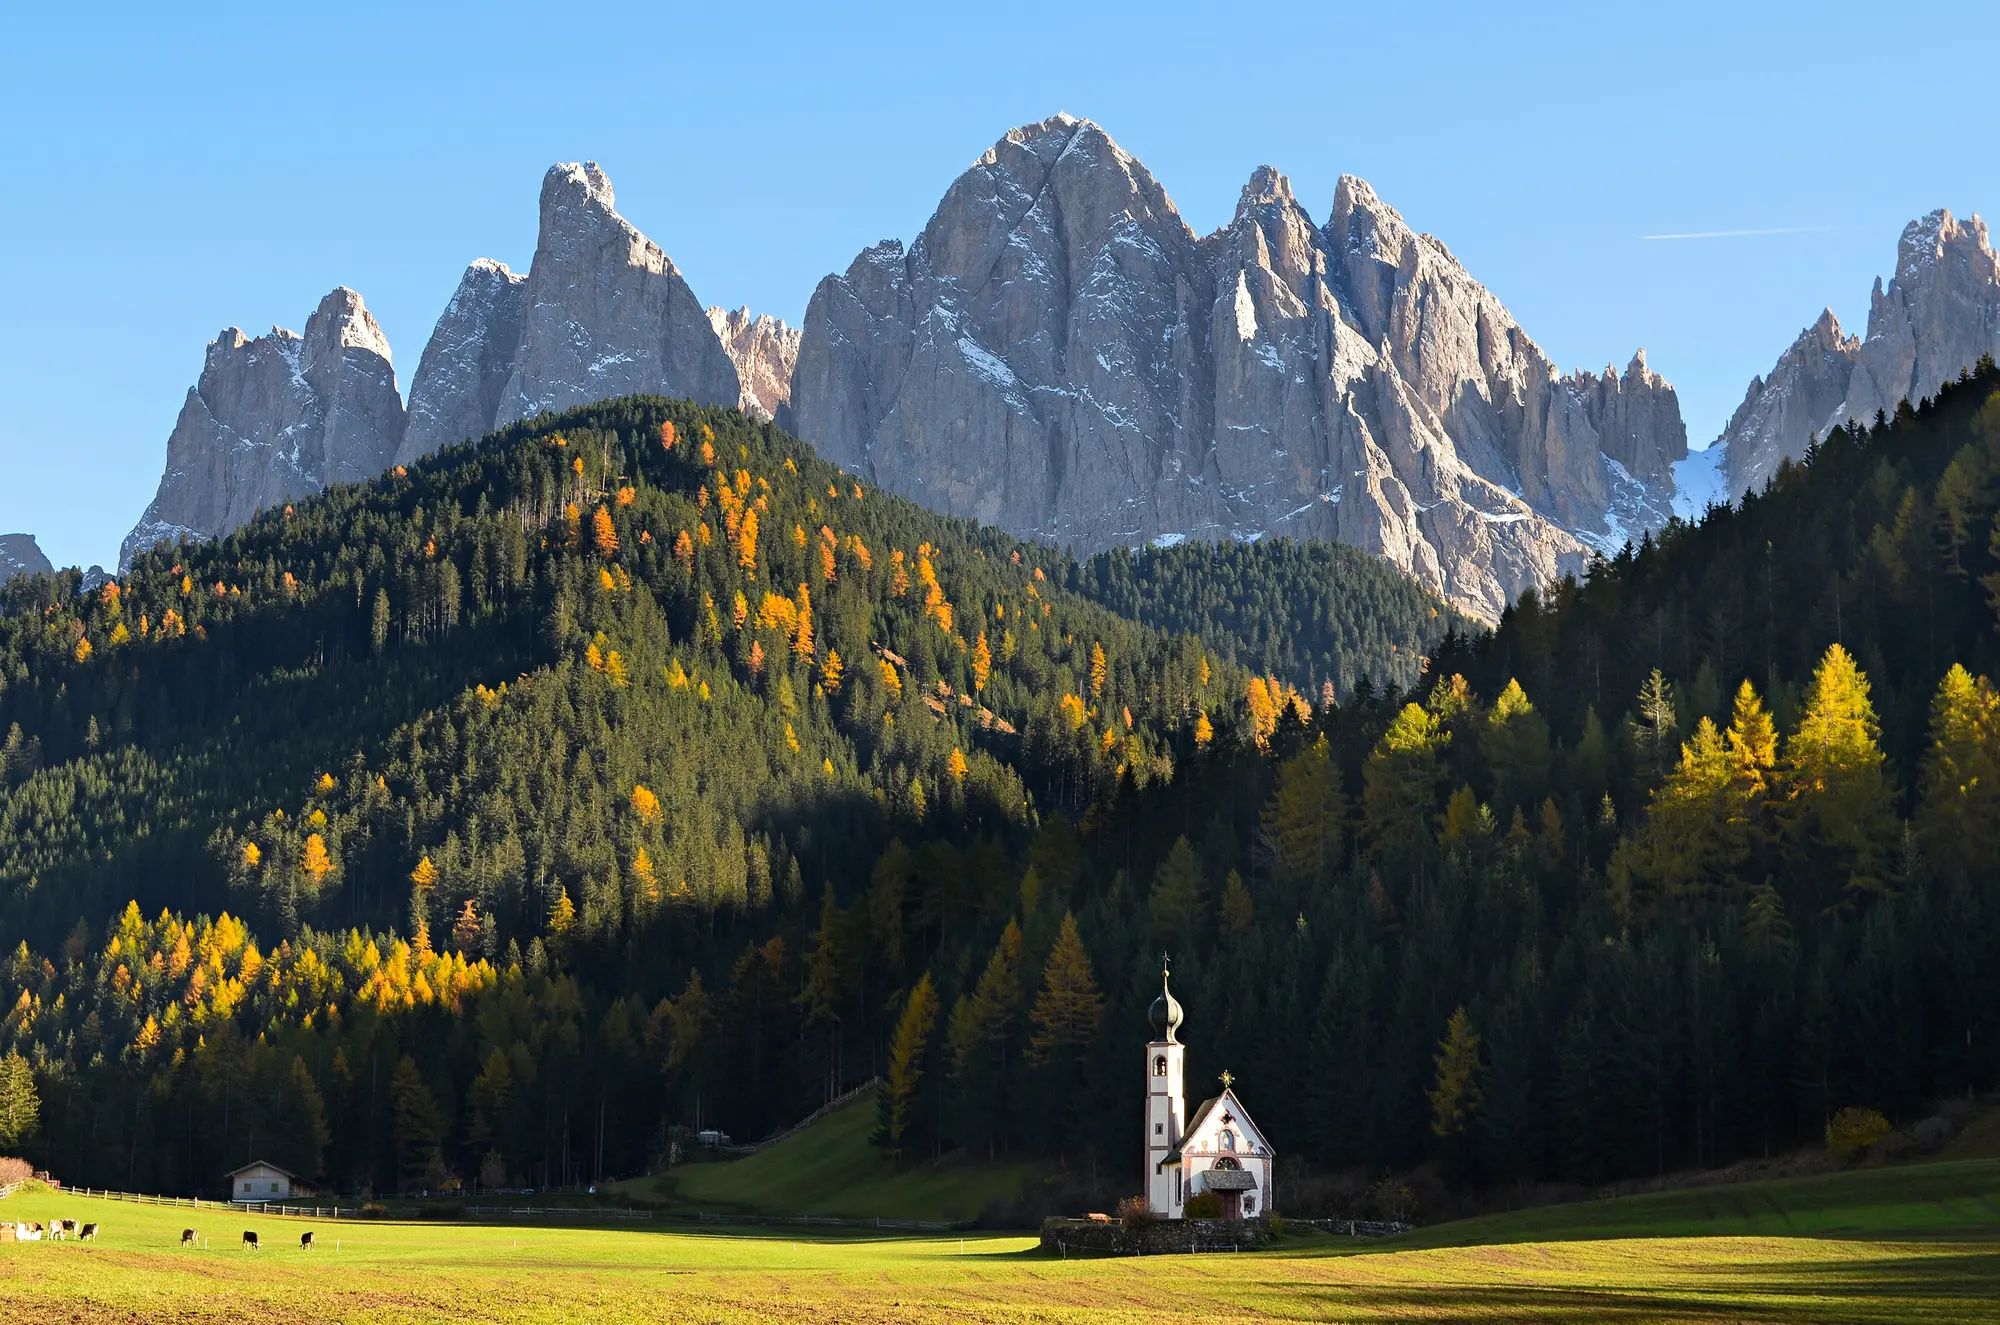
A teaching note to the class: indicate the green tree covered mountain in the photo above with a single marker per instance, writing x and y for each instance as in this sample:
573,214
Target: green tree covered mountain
1313,613
535,839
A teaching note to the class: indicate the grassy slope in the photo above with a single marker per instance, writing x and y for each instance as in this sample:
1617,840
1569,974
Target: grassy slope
830,1169
384,1273
1930,1201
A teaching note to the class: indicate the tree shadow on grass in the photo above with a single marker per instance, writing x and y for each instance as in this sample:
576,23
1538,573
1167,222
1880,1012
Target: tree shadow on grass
1913,1290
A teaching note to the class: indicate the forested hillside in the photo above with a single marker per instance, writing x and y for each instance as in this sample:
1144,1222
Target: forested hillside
1317,614
551,822
535,733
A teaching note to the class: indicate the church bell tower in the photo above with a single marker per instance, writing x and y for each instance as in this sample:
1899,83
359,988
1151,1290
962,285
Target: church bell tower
1166,1107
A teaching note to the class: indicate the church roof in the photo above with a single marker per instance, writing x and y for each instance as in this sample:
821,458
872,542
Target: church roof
1200,1116
1229,1180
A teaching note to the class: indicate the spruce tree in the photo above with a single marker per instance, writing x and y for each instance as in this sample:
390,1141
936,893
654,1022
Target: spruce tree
902,1125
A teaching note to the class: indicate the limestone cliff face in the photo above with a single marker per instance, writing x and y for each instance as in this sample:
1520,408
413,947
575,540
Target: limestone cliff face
21,555
1059,354
602,313
607,313
765,352
273,418
1939,314
1781,411
467,363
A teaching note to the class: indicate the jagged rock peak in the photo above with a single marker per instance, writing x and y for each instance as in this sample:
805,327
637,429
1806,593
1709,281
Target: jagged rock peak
1058,354
765,351
1265,187
1937,315
467,362
606,312
21,555
276,417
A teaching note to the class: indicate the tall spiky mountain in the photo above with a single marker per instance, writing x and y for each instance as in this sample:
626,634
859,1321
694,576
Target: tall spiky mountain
1060,354
603,312
276,417
21,555
1938,315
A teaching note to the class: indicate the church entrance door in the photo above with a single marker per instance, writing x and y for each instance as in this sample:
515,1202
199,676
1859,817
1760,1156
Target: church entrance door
1232,1205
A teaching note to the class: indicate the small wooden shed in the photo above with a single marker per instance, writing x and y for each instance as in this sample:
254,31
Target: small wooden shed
261,1180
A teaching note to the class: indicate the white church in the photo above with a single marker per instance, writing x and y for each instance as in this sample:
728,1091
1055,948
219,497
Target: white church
1215,1149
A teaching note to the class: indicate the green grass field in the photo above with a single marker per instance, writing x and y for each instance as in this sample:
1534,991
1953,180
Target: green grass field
1931,1255
1916,1201
830,1169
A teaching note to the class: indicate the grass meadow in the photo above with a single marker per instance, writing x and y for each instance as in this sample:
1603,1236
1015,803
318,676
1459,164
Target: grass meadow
1919,1244
830,1169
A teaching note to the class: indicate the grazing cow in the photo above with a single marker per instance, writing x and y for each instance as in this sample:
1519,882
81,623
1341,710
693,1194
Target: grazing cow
189,1238
250,1240
89,1233
68,1228
306,1241
59,1229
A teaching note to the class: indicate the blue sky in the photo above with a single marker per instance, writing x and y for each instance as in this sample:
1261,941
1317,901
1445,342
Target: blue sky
173,170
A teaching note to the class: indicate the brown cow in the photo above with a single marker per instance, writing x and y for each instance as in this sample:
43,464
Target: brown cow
89,1233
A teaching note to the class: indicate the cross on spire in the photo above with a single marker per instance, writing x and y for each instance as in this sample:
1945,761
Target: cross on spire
1226,1079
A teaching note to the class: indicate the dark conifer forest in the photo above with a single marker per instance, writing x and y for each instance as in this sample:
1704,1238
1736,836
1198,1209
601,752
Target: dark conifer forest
636,770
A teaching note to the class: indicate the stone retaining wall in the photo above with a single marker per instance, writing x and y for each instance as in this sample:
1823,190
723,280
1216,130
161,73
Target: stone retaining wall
1159,1238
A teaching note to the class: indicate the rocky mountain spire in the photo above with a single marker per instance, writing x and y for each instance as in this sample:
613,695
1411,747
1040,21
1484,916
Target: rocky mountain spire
273,418
1059,354
21,555
467,362
606,313
765,352
1938,315
602,312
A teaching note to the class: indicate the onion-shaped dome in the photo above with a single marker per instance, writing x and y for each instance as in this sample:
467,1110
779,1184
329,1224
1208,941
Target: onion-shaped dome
1165,1014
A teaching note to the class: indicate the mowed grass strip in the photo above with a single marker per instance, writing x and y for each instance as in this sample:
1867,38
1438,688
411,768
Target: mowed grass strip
396,1272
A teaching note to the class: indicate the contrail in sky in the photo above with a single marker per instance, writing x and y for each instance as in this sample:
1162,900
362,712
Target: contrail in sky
1744,234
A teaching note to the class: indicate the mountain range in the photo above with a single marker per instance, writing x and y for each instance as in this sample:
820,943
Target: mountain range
1059,354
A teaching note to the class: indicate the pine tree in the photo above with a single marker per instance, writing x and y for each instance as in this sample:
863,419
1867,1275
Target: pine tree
1069,1007
982,663
1655,725
1399,781
20,1105
417,1127
1238,913
1305,816
1839,815
603,534
1958,812
984,1027
899,1105
1178,903
1454,1094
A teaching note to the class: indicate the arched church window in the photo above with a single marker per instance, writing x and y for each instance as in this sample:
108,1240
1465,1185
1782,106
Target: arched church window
1160,1066
1228,1164
1227,1139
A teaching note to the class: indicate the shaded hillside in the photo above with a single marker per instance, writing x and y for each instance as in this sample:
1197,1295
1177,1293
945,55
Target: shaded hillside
1312,613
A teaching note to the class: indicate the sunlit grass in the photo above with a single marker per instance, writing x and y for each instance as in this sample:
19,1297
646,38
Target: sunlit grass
396,1272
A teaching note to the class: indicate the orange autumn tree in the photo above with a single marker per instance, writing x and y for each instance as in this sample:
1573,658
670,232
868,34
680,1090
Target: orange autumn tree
602,534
